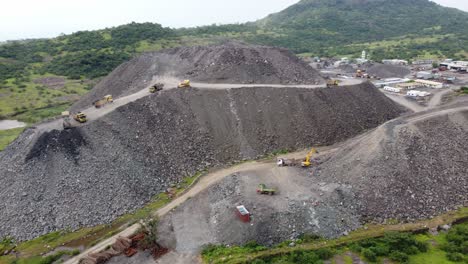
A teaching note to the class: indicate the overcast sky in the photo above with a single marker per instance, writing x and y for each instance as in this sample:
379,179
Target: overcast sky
22,19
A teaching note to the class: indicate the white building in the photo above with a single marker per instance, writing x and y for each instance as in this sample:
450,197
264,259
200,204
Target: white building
392,89
417,94
430,84
395,62
455,65
408,85
390,82
424,75
421,62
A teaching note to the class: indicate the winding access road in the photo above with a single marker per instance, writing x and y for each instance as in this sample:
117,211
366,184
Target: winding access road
93,113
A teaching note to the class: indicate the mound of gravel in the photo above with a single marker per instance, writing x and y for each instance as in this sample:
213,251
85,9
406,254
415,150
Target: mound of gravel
232,62
408,169
411,168
93,174
388,71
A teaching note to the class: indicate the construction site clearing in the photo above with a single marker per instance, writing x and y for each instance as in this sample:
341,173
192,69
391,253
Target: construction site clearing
375,156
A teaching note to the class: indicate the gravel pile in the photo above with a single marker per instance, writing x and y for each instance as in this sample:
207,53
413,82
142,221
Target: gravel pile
406,170
301,206
91,175
388,71
233,62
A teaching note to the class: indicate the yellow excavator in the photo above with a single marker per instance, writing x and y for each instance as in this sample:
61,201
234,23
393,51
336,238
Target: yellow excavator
184,84
306,163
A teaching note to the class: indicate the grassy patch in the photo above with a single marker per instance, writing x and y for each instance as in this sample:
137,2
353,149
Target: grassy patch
8,136
32,102
48,259
347,259
38,115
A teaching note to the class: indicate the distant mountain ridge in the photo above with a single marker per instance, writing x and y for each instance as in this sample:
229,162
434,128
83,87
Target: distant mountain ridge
367,20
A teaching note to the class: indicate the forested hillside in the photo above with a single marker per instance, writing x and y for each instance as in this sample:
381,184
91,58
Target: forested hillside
40,78
327,27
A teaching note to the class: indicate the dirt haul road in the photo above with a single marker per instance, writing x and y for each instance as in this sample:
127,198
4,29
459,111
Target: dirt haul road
414,106
214,177
93,113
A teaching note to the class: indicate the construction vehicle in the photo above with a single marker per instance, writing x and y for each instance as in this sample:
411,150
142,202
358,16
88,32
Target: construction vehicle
105,100
67,123
306,163
184,84
332,83
80,117
359,73
66,120
282,162
262,189
156,88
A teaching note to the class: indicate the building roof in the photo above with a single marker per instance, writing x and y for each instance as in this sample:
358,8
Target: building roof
242,210
403,85
427,82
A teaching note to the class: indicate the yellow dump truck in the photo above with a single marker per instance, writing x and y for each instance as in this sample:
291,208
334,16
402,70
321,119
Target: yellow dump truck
80,117
156,88
184,84
332,83
105,100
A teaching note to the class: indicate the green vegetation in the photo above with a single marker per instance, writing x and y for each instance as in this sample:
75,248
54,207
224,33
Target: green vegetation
90,64
457,243
464,90
373,241
7,136
48,259
396,246
150,228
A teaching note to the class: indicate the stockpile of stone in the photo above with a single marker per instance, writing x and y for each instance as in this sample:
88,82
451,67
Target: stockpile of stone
91,175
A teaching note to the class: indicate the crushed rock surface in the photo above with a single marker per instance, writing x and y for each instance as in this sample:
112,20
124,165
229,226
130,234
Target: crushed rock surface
112,166
388,71
232,62
406,169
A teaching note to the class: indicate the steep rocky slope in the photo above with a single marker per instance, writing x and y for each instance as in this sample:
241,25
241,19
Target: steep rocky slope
232,62
407,169
92,174
388,71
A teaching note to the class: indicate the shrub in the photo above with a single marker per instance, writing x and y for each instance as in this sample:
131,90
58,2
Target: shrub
369,254
399,256
305,257
455,256
356,247
324,253
150,228
422,246
381,250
